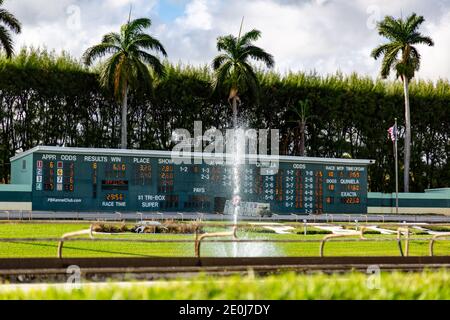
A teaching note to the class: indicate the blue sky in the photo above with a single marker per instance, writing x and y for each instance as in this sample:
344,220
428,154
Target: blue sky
303,35
171,9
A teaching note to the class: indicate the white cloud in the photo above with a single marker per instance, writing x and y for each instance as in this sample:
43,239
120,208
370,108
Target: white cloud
435,60
197,16
71,25
321,35
121,3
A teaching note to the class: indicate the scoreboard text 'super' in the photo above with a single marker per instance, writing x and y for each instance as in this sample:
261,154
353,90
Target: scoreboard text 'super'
76,179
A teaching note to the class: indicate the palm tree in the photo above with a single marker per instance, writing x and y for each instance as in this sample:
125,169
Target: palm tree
302,114
8,21
401,55
232,68
127,65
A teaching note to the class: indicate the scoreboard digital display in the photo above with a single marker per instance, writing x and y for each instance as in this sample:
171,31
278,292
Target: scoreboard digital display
68,179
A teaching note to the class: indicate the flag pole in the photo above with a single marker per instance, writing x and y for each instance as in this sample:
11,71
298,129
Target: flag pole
396,166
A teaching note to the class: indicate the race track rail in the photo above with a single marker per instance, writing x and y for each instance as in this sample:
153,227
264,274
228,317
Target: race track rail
31,270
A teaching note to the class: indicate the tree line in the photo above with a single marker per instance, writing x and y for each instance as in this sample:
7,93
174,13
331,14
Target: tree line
53,99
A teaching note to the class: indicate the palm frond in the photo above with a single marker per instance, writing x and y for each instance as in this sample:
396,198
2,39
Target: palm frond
98,51
138,25
219,60
112,38
146,41
121,74
414,59
152,61
388,63
417,38
250,36
108,69
390,28
141,75
222,74
413,22
10,21
259,55
250,79
226,43
381,49
6,41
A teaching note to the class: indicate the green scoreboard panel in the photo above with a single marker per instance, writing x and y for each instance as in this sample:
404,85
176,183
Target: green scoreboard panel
66,179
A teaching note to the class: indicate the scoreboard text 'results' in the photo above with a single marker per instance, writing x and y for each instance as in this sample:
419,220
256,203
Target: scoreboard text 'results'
75,179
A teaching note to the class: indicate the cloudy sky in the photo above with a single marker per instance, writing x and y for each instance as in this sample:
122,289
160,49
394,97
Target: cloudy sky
320,35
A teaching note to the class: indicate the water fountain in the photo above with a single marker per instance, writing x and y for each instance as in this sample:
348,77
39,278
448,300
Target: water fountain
237,153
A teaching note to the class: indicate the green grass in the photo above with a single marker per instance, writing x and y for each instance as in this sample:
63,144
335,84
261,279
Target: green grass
395,286
127,249
439,228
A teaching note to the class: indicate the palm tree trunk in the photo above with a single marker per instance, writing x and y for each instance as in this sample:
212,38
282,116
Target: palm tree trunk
407,135
124,138
235,113
302,139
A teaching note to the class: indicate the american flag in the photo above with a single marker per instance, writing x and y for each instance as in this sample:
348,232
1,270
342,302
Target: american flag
393,133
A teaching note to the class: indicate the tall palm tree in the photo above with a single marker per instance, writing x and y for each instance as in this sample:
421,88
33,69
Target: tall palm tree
127,65
232,67
302,114
401,55
8,21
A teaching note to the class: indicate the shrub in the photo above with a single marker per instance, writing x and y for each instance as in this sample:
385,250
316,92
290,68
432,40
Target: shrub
181,228
172,227
110,228
371,232
311,231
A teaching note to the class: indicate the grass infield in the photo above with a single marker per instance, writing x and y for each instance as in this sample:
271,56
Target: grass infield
128,249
